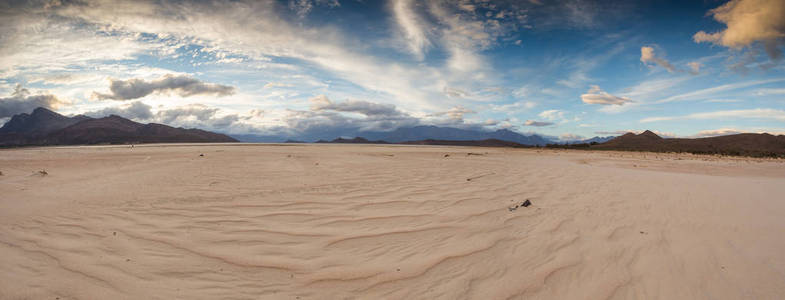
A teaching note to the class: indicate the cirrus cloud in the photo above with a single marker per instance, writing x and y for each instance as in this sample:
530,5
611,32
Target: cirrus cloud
758,113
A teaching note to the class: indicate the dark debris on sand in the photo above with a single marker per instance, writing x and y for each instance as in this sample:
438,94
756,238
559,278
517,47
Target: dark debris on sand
526,203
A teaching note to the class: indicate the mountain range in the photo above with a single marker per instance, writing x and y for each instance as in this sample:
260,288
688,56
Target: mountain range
417,133
45,127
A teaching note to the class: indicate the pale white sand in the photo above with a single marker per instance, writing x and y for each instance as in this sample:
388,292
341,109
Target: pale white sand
395,222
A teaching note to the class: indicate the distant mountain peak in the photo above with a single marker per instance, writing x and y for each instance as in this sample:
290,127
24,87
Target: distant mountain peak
40,122
649,133
41,110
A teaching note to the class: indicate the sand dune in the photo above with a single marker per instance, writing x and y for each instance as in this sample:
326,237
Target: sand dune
387,222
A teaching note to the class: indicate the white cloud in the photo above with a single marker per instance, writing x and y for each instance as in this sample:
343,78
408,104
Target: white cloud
515,107
647,56
31,44
749,21
189,116
521,92
251,30
722,101
716,132
766,92
455,113
758,113
552,114
695,67
570,137
136,110
62,78
464,33
303,7
270,85
455,93
264,34
595,95
729,131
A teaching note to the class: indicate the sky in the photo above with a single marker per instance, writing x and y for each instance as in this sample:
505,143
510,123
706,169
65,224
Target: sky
563,69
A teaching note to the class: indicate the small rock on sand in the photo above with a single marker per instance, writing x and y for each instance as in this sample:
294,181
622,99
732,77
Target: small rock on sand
524,204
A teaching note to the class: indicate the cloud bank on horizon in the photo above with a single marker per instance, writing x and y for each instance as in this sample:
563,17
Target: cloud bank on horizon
573,68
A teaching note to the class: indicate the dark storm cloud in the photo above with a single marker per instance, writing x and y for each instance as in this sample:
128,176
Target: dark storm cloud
369,109
537,123
20,101
181,85
327,116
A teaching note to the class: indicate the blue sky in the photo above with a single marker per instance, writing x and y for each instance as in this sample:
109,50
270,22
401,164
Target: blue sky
567,69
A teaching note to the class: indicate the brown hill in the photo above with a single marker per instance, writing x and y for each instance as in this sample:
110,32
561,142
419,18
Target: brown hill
748,144
45,127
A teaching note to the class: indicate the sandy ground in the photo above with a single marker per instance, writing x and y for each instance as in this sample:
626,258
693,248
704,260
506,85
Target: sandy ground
387,222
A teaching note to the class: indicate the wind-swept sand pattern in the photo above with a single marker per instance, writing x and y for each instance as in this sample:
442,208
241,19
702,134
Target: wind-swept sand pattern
387,222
